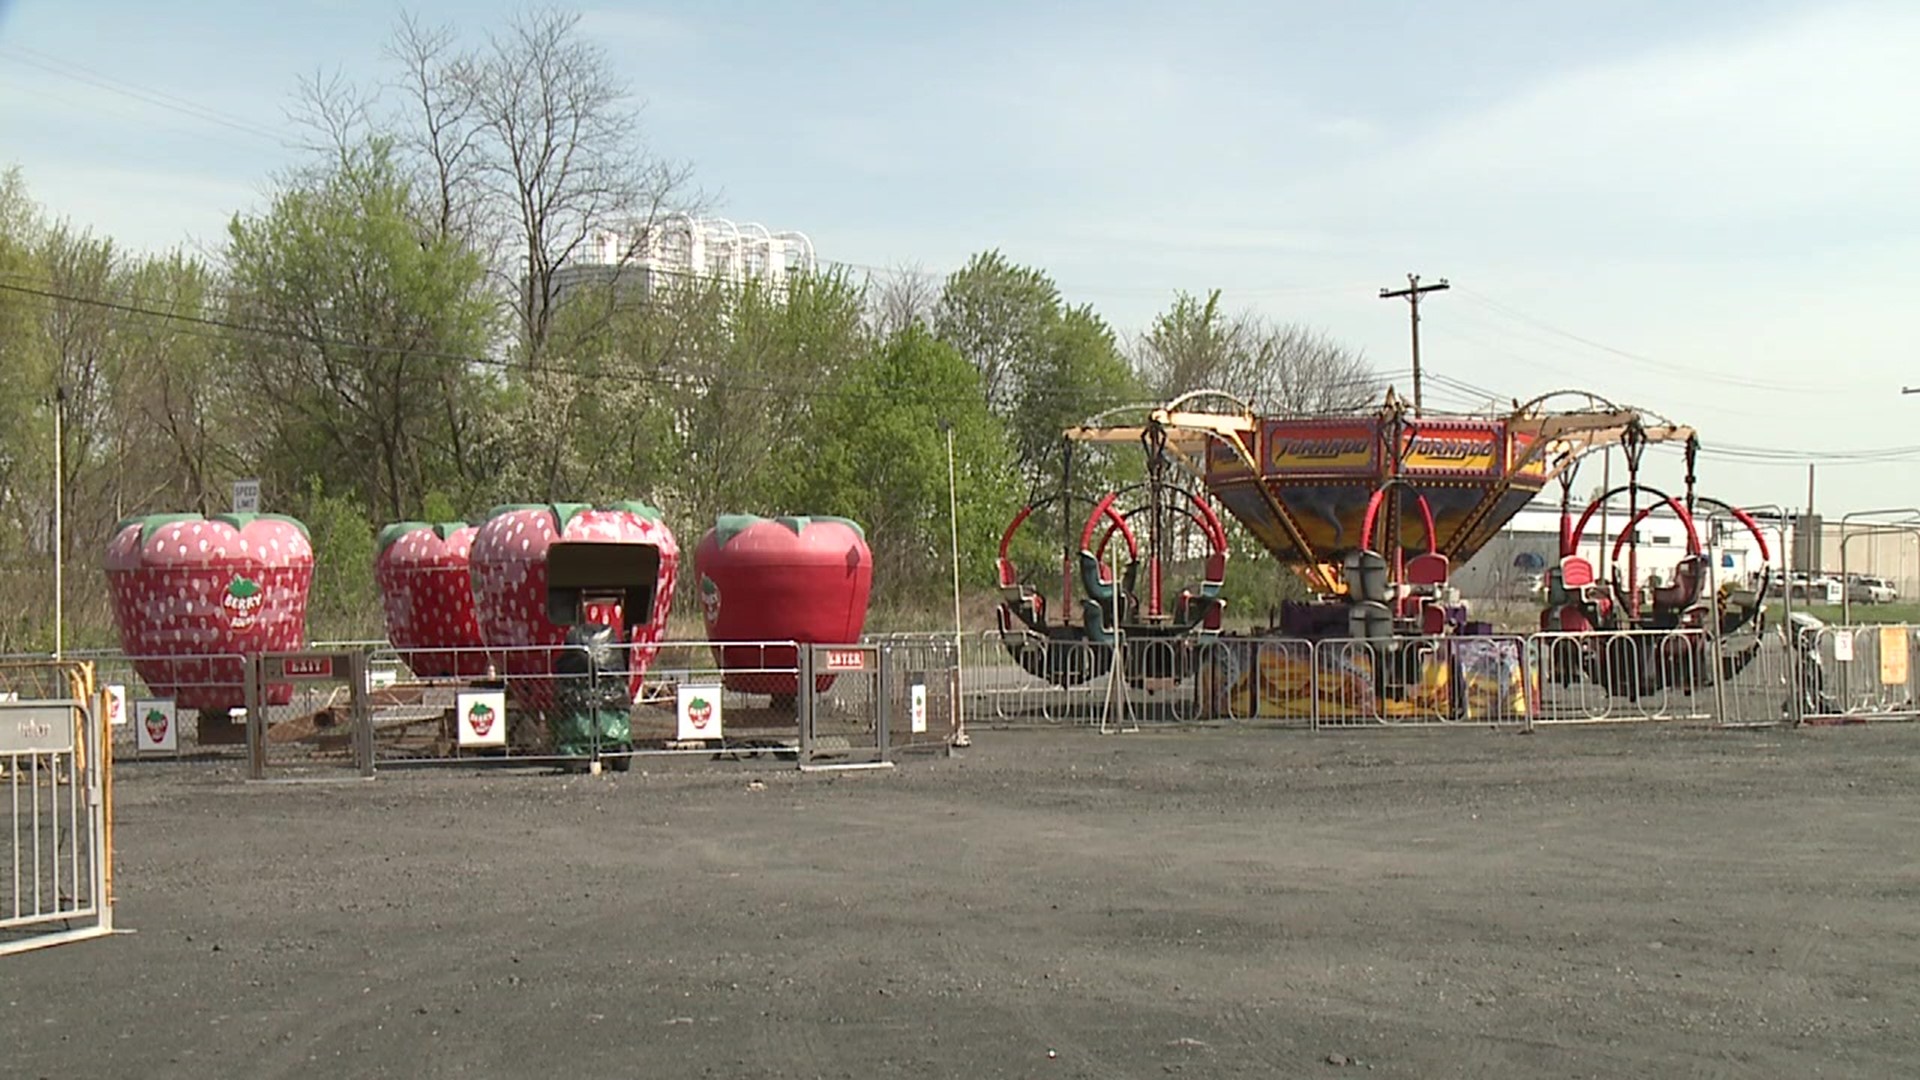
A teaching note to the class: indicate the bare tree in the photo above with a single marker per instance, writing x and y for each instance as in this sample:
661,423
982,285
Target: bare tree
443,138
901,297
1300,371
1283,368
561,155
336,117
527,148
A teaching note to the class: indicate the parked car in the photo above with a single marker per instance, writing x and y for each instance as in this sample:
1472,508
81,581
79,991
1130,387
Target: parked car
1871,590
1814,588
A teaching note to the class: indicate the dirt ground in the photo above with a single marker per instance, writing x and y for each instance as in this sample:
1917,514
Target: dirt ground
1592,903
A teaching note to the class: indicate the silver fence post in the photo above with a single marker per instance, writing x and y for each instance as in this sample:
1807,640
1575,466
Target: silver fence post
362,704
100,749
804,699
1313,684
883,696
255,696
1717,649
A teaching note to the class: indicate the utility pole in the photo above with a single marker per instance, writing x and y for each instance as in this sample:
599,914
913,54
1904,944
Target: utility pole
1413,292
59,522
1814,556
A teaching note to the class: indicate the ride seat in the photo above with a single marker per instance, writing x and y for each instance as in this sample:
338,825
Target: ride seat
1096,577
1018,597
1684,591
1576,572
1433,619
1428,572
1215,574
1572,620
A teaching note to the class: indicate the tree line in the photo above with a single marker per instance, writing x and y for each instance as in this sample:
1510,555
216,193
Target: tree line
394,336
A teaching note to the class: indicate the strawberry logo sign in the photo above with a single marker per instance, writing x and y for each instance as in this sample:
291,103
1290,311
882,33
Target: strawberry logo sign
699,712
483,717
242,601
709,599
157,724
153,727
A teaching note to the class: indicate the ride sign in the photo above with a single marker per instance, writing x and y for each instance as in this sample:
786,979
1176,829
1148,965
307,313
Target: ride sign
308,667
1453,448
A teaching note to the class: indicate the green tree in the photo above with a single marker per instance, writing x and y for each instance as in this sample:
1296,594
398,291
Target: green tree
26,474
1077,373
998,316
878,454
343,603
373,321
699,390
1043,366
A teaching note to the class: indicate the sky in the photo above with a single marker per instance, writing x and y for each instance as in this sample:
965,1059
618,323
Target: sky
1705,209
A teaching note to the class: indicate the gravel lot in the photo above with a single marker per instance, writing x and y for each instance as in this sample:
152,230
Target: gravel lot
1592,903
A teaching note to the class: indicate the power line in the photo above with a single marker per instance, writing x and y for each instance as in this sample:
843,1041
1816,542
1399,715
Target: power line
157,98
1647,362
803,387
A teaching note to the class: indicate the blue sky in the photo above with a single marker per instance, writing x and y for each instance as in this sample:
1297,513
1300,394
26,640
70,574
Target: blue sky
1705,208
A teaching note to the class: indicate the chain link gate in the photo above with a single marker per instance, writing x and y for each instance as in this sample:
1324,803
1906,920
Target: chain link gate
843,706
923,692
296,715
55,780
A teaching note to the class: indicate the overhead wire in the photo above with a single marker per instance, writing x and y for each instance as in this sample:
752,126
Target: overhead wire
214,327
1646,362
57,66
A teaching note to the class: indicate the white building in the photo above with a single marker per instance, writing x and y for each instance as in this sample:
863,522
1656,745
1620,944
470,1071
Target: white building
680,247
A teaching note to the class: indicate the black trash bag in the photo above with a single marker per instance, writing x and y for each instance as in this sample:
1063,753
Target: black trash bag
593,706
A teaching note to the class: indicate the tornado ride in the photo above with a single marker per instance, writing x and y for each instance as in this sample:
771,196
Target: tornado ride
1374,512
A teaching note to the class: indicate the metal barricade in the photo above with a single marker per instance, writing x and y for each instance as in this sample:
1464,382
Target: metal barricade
175,705
56,782
1365,682
555,704
1607,676
1755,673
1023,678
737,698
1854,674
923,684
1415,681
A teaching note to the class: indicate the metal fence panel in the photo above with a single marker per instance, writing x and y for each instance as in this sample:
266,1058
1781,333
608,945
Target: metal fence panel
1625,676
1853,674
1022,678
55,880
923,682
